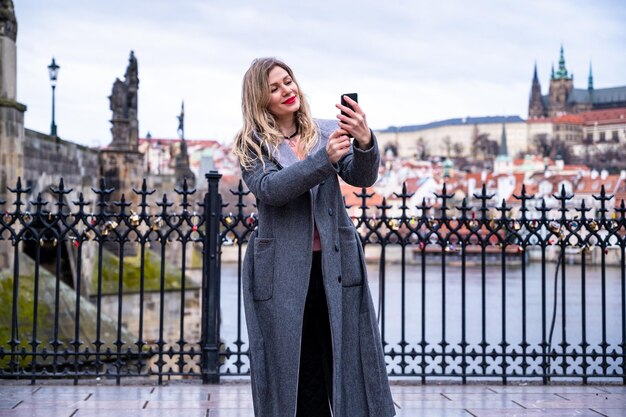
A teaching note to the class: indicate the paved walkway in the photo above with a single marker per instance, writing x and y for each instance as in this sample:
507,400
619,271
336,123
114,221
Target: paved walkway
233,399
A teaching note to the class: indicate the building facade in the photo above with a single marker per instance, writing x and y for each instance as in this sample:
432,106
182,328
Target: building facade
563,98
455,137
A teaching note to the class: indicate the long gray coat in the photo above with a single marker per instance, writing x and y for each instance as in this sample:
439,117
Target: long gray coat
290,194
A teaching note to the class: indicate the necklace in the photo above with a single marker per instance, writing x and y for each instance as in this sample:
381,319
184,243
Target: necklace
292,136
288,138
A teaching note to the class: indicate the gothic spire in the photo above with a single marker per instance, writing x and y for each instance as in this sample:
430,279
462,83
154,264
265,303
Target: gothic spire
536,107
590,79
562,72
552,76
503,151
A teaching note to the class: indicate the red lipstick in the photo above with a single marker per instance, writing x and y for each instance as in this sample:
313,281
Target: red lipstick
290,100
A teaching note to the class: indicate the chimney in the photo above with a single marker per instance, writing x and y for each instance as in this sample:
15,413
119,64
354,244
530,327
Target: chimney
604,174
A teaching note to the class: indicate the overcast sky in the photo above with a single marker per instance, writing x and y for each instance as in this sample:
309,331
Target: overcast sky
411,61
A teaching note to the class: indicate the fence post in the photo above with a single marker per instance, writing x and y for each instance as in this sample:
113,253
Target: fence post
210,338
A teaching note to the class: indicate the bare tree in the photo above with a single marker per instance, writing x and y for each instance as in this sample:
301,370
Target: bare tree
422,149
483,147
554,149
458,148
542,144
446,145
609,157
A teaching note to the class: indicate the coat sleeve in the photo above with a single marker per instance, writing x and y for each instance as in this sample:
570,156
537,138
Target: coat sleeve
359,167
277,186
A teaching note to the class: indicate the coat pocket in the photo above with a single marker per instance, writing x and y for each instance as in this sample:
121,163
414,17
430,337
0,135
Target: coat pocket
263,283
352,270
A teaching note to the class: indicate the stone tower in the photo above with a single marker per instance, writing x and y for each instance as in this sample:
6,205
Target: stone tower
561,86
11,113
536,106
121,162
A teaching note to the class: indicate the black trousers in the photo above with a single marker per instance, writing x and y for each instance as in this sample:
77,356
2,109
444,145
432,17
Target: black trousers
315,383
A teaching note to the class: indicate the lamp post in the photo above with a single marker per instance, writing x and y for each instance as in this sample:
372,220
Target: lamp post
149,140
53,71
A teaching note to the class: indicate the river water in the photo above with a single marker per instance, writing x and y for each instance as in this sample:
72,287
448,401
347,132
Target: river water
493,306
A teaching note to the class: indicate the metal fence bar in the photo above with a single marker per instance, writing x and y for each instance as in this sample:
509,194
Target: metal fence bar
455,339
211,283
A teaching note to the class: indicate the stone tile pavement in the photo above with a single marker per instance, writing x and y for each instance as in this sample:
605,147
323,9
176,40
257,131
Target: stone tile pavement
233,399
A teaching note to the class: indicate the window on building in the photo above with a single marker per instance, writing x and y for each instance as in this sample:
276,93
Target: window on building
615,137
545,187
602,137
589,137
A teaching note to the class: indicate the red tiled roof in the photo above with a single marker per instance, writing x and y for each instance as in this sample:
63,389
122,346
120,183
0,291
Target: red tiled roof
576,168
574,119
351,199
603,117
588,185
477,176
412,185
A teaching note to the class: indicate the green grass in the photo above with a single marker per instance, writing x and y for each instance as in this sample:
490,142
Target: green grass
47,299
132,274
25,314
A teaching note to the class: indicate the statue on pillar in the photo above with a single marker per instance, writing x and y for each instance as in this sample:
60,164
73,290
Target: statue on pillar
117,100
182,169
132,73
122,163
8,22
181,123
123,104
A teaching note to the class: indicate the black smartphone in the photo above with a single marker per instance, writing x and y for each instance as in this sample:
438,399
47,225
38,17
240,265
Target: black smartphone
353,96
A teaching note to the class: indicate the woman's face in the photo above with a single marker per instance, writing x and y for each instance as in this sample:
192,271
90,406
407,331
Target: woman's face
284,98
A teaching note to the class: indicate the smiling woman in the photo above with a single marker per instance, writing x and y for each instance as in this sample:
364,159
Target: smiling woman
284,100
315,348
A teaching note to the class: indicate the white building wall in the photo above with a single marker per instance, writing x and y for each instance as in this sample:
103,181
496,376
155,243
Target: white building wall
433,138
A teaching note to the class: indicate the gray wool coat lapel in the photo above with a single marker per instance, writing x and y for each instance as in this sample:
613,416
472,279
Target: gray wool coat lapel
285,156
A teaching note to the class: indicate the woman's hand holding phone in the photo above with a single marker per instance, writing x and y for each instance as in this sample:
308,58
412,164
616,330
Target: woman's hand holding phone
352,120
338,145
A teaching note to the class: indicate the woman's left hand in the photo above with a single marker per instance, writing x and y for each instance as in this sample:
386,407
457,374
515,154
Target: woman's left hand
355,123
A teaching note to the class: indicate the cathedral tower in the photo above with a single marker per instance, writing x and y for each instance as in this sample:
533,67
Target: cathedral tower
536,107
561,86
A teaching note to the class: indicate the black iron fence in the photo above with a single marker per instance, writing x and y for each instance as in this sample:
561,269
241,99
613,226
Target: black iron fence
468,289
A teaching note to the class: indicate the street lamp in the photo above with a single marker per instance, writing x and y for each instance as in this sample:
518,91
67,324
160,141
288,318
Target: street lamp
149,140
53,71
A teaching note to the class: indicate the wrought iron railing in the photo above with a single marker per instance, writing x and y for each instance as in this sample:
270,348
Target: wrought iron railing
107,233
469,289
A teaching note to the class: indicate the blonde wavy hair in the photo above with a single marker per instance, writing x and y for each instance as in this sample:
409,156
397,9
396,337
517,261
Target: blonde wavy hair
260,129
